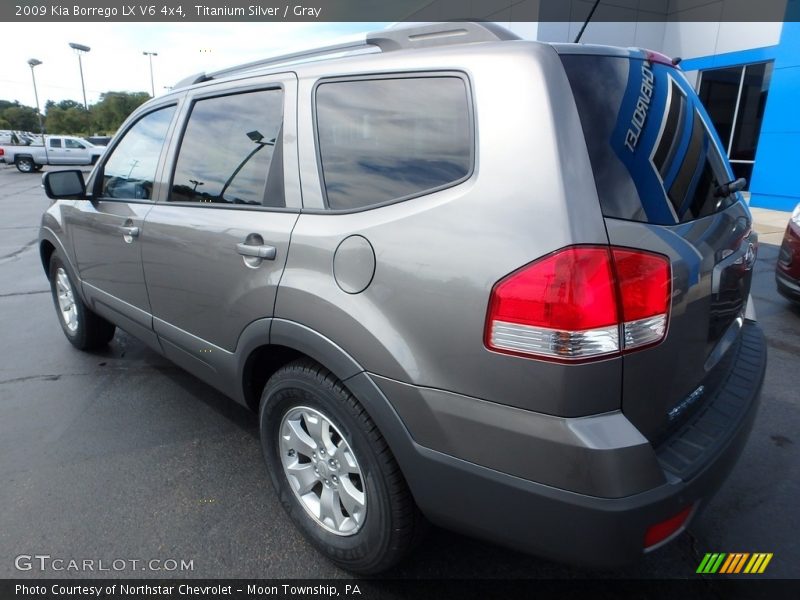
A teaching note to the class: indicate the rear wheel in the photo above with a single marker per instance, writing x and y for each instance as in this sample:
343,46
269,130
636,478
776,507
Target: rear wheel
25,165
333,471
84,329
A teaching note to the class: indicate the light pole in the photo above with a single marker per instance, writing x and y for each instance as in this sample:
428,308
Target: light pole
150,55
35,63
81,49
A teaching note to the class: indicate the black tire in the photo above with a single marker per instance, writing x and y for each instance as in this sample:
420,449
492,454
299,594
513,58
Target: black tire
392,524
91,331
37,168
25,164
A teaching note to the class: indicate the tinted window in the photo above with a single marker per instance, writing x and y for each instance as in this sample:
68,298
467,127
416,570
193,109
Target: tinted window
55,143
652,151
231,151
381,140
131,168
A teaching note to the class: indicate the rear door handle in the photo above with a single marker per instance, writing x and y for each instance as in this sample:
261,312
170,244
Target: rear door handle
265,252
129,231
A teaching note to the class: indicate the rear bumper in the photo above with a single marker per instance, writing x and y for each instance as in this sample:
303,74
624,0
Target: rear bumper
787,287
580,528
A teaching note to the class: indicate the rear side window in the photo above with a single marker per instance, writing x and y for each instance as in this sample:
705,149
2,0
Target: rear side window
383,140
653,151
231,152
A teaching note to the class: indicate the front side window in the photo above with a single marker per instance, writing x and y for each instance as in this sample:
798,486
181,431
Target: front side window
383,140
74,144
231,151
131,169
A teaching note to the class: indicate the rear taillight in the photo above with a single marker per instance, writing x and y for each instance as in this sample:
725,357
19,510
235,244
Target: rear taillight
580,303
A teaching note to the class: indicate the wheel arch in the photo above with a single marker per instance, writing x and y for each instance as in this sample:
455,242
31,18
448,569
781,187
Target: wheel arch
49,244
288,341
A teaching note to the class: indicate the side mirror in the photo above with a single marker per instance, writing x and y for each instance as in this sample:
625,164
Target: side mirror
64,185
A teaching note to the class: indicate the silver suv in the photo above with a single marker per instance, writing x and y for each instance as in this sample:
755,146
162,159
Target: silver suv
497,285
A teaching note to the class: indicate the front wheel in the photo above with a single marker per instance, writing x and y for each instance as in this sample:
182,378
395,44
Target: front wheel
25,165
333,471
84,329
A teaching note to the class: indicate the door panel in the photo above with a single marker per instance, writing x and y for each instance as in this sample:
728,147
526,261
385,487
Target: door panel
107,228
199,283
215,247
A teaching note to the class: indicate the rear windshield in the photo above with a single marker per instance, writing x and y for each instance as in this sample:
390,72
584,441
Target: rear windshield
653,153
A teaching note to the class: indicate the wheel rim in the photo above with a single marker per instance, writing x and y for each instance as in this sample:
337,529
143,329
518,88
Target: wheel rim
66,301
322,471
25,166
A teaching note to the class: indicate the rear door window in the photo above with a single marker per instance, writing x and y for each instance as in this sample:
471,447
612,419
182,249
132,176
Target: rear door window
654,155
231,151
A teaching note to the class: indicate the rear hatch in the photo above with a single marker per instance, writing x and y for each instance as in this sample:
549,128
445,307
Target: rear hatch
659,170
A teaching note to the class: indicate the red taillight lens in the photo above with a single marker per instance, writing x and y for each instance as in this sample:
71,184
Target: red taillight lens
662,531
570,305
572,290
643,283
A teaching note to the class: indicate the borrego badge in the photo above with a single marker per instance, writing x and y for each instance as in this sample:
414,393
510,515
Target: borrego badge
639,117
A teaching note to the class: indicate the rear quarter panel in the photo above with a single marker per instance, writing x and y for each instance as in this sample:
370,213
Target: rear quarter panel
421,320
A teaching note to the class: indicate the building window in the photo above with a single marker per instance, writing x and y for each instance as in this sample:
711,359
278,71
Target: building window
735,98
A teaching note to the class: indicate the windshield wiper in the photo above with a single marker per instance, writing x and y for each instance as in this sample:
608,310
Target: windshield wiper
726,189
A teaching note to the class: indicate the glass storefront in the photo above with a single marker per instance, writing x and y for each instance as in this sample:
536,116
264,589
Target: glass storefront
735,98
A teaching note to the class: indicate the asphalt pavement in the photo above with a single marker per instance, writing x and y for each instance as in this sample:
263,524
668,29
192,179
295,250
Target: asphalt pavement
121,456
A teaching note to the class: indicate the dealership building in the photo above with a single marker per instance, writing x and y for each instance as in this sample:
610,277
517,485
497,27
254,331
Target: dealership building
746,73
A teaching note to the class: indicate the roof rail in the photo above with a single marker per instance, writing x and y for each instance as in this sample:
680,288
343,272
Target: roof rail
389,40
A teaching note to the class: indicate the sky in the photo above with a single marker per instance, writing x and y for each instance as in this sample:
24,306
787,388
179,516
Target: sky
116,62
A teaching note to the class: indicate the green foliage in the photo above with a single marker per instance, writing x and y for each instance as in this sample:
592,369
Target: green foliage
113,108
19,116
67,117
70,117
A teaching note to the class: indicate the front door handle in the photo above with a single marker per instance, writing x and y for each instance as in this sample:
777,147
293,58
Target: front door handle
265,252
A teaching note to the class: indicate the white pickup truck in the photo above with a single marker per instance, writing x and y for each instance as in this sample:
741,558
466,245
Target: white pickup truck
58,150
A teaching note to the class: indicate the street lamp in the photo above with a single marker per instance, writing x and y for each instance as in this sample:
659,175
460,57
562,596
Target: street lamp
81,49
150,55
35,63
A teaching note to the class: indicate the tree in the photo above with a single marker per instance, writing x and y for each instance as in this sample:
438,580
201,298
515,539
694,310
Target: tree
113,108
67,116
20,117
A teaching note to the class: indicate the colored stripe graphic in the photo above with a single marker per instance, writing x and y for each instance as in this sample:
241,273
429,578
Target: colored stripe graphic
734,563
711,563
723,563
758,563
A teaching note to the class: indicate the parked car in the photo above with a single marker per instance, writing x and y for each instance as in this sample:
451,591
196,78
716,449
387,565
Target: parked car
58,150
99,140
787,271
510,301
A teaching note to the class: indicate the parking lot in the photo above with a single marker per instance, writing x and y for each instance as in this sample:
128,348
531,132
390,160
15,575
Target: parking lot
121,455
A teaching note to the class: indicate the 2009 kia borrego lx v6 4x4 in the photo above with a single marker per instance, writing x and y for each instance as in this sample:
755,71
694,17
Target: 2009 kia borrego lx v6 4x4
500,284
